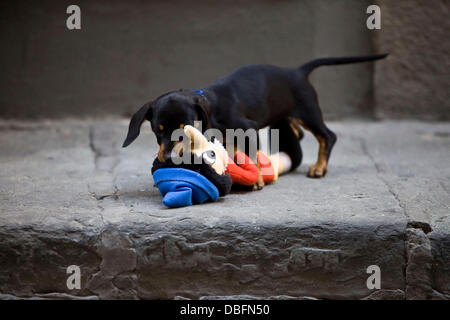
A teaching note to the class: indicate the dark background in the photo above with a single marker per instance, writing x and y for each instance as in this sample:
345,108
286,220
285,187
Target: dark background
129,52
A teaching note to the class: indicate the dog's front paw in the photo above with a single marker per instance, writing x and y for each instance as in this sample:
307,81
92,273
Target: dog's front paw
258,185
317,171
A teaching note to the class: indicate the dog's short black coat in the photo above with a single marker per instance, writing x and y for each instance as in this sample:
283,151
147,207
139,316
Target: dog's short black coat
252,96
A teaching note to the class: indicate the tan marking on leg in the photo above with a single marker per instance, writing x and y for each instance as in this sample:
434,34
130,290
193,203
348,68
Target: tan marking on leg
319,169
300,123
161,153
295,126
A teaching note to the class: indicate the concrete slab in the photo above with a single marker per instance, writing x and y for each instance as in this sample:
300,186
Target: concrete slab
71,196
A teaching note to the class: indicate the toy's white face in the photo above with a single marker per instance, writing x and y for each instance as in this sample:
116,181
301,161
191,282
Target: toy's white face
216,156
212,153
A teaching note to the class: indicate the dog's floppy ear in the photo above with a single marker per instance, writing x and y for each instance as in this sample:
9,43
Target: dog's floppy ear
144,113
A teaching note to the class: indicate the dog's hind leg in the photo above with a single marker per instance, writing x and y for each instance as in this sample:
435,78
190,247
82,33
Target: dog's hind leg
309,116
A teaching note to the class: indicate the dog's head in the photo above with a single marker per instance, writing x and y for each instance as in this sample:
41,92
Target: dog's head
170,111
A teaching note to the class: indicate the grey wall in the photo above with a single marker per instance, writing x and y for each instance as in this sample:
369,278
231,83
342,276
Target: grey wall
415,80
129,52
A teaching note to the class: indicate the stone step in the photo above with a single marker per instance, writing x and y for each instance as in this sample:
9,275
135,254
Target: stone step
71,196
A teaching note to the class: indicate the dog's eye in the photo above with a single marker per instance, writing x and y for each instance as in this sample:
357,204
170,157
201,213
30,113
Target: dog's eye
209,157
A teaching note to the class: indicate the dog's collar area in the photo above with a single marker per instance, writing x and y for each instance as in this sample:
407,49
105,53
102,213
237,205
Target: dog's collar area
200,92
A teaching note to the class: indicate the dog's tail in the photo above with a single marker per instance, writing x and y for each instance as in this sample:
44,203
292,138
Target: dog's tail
307,68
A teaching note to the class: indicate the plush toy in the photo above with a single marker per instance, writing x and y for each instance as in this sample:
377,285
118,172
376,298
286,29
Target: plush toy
211,171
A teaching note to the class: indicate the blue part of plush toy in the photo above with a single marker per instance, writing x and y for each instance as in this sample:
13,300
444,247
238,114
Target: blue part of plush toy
182,187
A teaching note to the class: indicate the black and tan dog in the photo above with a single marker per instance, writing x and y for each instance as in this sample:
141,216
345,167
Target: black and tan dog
252,97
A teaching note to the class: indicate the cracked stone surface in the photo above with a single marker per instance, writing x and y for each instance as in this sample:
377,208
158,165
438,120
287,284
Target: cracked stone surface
71,196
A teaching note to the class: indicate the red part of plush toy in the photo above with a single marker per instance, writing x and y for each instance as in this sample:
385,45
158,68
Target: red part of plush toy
245,172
